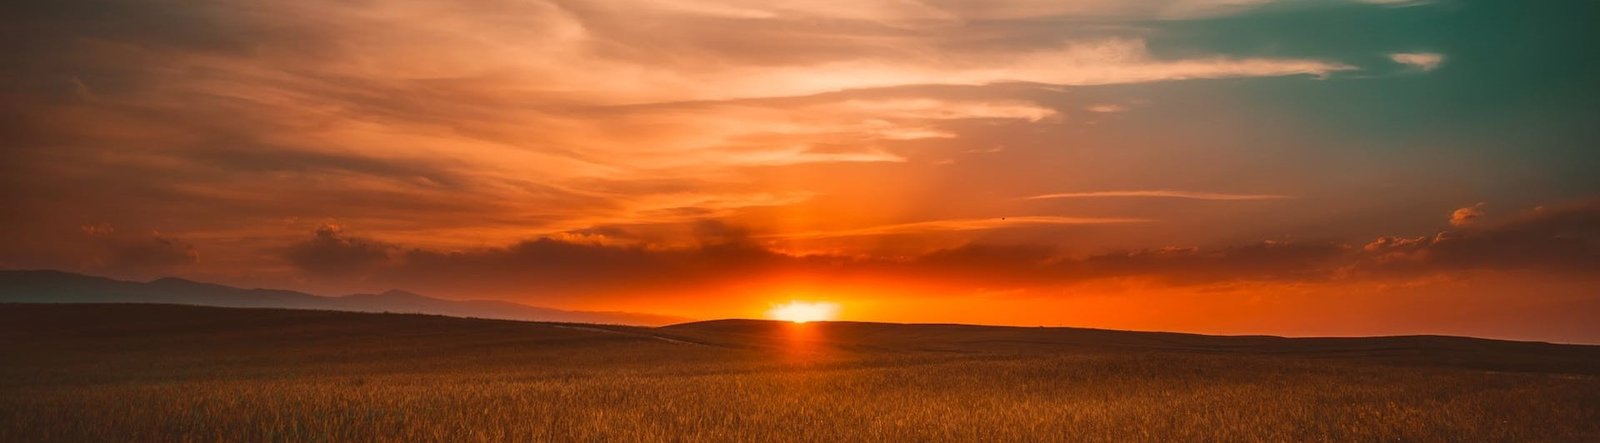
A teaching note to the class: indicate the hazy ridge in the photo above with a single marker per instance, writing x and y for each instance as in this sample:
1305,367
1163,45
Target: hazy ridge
66,287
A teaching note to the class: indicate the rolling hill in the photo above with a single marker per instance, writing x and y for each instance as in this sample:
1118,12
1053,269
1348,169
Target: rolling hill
151,372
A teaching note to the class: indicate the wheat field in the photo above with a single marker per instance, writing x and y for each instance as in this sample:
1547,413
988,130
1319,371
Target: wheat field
173,373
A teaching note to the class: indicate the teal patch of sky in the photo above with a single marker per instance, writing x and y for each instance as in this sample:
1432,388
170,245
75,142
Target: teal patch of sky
1520,80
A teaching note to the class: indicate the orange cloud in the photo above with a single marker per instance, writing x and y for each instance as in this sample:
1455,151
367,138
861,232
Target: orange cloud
1161,193
1421,61
962,225
1467,216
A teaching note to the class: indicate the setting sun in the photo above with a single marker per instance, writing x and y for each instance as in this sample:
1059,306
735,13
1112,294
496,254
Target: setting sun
804,311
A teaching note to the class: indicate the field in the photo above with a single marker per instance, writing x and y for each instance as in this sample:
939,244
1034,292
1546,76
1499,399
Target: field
183,373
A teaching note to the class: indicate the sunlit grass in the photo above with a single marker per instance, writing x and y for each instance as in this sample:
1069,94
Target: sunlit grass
407,378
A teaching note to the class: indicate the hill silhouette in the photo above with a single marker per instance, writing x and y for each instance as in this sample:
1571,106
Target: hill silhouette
65,287
427,335
869,337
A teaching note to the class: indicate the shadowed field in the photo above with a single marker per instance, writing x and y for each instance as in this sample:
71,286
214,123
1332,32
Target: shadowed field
182,373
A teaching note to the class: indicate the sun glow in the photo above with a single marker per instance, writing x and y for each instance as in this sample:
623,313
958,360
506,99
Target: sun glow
804,311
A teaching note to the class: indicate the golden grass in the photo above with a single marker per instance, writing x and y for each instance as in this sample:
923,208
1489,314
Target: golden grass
296,376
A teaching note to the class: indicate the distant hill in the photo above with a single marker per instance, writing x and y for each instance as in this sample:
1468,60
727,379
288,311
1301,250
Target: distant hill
210,330
66,287
959,339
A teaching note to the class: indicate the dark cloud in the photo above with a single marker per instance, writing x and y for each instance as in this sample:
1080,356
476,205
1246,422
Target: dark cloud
985,265
1558,240
135,253
1269,260
604,231
1564,238
550,267
329,253
543,266
718,233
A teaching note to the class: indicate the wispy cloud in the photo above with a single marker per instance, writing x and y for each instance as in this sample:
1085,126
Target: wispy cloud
1081,63
1106,108
1421,61
1160,193
477,122
959,225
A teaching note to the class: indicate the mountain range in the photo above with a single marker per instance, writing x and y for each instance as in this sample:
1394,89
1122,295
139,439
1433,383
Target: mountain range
42,286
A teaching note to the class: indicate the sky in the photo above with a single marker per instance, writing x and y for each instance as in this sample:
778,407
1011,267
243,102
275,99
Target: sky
1289,167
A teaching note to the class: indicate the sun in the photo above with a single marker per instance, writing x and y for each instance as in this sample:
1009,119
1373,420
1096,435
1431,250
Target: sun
804,311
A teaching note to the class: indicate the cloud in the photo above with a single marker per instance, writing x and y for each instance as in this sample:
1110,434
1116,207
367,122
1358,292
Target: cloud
1467,216
1160,193
538,268
1098,62
903,14
1267,260
959,225
135,253
801,155
1556,240
1421,61
330,253
462,129
1562,238
502,111
551,269
702,138
923,108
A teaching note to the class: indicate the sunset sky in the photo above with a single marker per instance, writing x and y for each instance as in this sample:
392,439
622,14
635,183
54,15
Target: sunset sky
1298,167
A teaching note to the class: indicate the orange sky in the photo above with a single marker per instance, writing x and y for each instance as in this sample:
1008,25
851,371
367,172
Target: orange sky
1197,165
